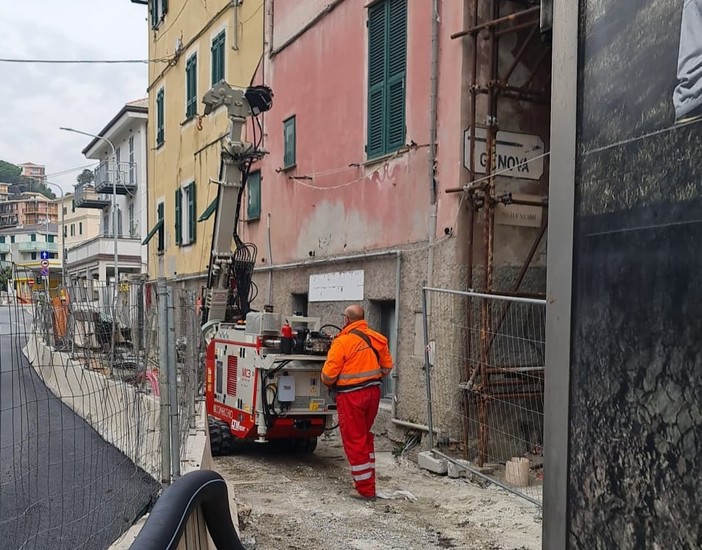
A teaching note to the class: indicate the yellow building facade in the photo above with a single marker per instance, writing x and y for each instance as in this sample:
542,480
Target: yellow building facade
199,43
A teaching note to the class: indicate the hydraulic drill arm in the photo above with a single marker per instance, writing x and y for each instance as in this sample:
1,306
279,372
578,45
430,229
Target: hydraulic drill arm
226,296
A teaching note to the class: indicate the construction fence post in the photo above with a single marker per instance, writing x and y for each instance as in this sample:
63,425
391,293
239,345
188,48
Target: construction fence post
164,392
173,387
427,366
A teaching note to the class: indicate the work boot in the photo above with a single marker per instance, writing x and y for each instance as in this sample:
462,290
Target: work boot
356,495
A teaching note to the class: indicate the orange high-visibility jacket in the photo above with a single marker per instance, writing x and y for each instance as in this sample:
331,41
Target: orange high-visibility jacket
351,362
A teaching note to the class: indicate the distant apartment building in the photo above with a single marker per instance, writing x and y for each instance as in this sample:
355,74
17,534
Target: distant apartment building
30,209
91,257
77,225
4,192
23,247
35,171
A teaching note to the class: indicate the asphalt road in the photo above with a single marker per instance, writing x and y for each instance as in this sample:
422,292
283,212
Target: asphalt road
61,485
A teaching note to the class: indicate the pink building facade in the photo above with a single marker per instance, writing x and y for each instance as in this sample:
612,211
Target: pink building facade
350,197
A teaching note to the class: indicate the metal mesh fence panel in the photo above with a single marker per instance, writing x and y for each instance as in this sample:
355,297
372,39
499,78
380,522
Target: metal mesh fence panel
81,439
485,386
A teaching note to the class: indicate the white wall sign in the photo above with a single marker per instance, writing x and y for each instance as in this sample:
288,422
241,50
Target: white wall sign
513,153
343,286
519,214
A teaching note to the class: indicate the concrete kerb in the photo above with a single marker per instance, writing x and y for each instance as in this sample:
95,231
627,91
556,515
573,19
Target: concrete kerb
124,416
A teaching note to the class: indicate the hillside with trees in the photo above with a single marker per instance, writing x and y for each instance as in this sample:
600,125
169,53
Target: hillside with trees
12,174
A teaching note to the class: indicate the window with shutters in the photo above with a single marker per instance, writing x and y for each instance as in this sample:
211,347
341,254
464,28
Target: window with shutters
185,215
387,71
289,145
191,207
253,205
178,216
191,86
158,9
160,97
161,230
217,50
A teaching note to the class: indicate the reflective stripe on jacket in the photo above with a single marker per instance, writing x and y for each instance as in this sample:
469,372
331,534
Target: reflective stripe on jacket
350,361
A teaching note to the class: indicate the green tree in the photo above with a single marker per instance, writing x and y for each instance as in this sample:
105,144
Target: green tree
10,173
86,177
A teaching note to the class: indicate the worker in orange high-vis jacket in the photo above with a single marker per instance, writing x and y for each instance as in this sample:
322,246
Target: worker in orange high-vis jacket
358,359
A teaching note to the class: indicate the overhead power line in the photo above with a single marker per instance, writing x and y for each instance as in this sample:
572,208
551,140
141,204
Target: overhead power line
85,61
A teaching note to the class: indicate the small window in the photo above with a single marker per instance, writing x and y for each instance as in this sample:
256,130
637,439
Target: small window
159,9
289,156
160,98
50,238
161,232
253,205
12,239
185,215
191,87
73,206
73,230
2,240
80,228
33,237
3,257
217,50
65,231
34,255
65,210
132,167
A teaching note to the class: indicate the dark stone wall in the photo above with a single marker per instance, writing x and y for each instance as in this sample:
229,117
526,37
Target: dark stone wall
635,442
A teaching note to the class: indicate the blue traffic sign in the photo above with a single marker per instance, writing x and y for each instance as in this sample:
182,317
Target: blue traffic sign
44,255
45,272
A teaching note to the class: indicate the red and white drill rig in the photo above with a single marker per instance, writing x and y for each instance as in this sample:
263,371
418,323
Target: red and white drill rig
262,368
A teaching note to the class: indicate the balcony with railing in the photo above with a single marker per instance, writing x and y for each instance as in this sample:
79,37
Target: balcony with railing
8,220
37,246
122,176
101,248
86,197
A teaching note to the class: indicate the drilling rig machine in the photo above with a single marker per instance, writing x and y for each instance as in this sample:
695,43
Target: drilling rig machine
262,369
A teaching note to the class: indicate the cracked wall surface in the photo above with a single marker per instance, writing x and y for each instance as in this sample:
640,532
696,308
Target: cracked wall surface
635,396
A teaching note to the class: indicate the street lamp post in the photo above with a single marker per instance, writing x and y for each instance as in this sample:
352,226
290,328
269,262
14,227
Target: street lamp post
115,181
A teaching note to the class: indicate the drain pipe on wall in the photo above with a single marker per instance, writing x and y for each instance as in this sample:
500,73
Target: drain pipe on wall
433,94
433,206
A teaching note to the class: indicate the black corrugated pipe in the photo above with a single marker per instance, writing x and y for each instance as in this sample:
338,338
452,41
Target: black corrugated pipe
166,524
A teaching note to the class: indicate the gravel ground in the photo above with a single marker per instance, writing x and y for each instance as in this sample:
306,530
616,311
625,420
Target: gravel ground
301,502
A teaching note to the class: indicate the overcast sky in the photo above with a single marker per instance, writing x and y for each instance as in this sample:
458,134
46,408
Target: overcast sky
36,99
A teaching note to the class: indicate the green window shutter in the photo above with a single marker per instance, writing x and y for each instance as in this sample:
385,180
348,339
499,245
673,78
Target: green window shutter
376,80
217,50
155,229
153,8
191,86
397,70
207,214
159,117
253,207
192,209
178,216
161,229
33,237
164,7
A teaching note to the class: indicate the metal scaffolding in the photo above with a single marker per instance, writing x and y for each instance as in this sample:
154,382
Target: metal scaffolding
489,25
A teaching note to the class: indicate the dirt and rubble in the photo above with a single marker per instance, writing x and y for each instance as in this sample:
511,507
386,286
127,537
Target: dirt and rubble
293,501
